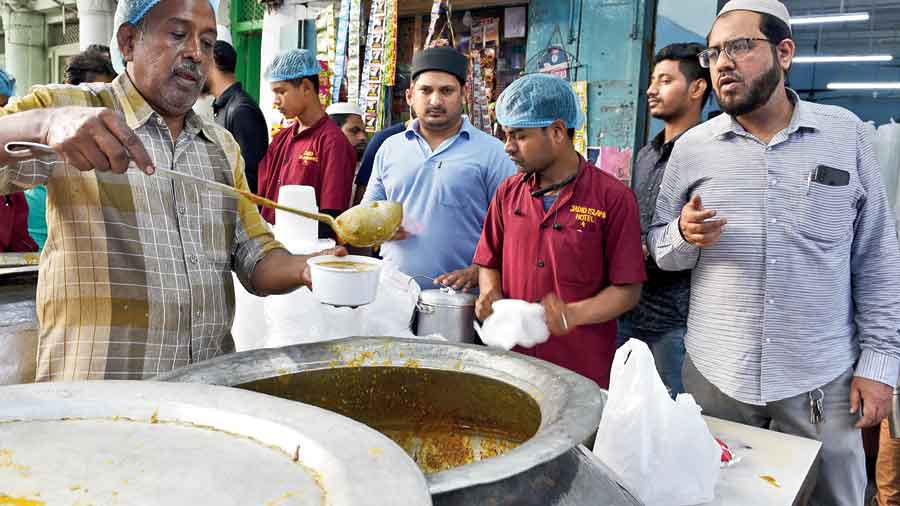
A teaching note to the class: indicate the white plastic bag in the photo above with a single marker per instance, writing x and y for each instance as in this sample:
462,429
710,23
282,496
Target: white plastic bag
662,449
298,317
18,355
514,322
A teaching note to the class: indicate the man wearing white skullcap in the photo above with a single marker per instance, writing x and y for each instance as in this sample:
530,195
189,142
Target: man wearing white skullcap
349,118
136,273
795,305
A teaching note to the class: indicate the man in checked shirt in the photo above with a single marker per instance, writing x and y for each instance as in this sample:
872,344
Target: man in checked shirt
135,278
795,303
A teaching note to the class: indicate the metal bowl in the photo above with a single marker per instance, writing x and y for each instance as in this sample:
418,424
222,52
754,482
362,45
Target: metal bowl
469,415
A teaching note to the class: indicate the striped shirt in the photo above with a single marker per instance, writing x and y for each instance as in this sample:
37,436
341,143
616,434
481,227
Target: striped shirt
135,277
805,280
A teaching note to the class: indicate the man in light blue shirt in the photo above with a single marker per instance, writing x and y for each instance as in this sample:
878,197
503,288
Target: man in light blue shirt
444,171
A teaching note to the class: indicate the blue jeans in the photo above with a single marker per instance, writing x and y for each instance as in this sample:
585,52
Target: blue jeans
668,352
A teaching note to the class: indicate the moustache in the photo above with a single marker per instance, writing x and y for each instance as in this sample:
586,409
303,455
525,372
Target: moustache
439,110
191,70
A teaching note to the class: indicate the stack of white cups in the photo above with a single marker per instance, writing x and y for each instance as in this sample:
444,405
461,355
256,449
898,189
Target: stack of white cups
300,235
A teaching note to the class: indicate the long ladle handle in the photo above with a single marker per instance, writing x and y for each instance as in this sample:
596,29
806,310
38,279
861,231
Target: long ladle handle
24,149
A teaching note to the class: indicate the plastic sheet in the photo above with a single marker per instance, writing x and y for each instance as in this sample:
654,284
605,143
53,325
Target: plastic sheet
298,317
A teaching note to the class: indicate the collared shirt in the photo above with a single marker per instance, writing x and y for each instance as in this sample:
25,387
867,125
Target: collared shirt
665,295
588,240
445,195
319,156
235,110
803,283
135,277
368,159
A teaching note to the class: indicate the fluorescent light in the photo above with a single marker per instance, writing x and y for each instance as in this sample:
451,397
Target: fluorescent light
842,59
864,86
830,18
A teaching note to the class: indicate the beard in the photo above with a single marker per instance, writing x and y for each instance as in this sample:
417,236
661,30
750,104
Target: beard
759,92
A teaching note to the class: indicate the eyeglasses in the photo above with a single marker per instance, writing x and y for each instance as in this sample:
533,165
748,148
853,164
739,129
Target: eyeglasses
736,49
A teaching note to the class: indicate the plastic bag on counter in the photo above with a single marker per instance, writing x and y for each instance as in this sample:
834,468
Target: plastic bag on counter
662,449
514,323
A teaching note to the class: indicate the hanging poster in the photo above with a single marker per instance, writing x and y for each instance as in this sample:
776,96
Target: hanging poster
325,50
491,32
580,140
340,59
353,52
380,59
390,43
437,8
554,61
514,22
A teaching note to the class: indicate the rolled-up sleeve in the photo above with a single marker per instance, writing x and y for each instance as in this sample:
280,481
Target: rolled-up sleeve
664,240
36,171
875,271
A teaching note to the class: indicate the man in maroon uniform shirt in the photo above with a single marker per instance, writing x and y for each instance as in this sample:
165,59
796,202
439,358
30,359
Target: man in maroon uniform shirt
561,232
313,151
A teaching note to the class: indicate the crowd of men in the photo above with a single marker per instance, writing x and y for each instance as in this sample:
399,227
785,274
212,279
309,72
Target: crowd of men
755,253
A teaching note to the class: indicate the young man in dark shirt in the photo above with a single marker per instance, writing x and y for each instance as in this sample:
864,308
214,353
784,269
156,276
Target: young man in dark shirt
235,110
679,88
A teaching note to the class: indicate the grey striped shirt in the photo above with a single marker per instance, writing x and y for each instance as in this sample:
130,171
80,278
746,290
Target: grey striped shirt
805,280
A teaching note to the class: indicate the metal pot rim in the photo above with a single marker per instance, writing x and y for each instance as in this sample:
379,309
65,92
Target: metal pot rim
571,405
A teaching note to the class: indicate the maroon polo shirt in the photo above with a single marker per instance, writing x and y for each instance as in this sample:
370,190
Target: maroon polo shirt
14,224
319,156
589,239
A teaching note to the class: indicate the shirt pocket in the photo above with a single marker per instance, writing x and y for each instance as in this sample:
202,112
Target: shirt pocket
218,217
825,214
579,256
459,183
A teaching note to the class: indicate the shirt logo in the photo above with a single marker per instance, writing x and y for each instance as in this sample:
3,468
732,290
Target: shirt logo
586,215
308,156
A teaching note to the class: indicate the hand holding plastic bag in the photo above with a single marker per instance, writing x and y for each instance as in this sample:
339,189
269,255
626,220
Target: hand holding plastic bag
662,449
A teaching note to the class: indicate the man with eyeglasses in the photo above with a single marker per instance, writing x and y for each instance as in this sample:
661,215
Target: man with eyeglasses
795,305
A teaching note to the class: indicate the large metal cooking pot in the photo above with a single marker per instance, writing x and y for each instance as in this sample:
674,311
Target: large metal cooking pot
448,313
145,443
474,418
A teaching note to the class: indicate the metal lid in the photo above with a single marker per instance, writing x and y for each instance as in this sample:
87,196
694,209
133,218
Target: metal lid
145,443
447,297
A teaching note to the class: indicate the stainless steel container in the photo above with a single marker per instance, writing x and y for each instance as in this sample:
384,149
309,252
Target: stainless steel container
448,313
487,426
145,443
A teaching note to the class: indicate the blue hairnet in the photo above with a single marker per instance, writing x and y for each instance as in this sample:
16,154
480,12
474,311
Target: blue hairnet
293,64
7,84
132,12
536,101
